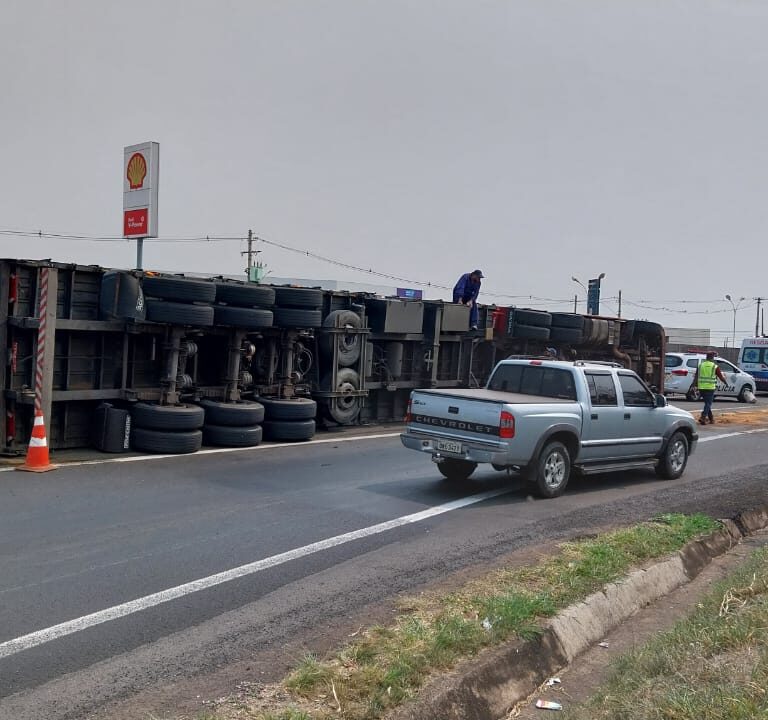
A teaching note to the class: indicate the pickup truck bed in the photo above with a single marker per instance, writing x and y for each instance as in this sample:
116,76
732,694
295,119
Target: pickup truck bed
496,396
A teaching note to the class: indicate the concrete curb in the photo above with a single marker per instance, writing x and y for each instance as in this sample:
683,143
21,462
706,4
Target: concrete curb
488,686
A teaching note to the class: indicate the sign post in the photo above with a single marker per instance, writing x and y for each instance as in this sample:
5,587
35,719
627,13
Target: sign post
141,168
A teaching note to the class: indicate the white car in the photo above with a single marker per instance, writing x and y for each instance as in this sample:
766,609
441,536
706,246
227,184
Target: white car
680,369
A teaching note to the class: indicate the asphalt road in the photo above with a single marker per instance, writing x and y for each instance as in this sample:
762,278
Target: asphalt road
88,539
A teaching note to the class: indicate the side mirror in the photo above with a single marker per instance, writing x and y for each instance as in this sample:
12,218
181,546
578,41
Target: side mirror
661,401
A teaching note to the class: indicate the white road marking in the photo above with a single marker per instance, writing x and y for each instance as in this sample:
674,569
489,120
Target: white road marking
220,451
721,436
40,637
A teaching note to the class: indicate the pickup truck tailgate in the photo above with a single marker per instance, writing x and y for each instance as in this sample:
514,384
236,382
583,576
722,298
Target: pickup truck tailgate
455,413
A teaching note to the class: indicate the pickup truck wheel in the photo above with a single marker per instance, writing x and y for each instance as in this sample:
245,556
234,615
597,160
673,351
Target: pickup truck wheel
549,474
456,470
672,463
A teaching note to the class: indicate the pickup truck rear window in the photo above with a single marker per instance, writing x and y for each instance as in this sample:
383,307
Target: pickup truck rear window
602,390
534,380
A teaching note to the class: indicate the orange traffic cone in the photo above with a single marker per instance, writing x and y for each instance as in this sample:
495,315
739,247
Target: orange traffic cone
37,452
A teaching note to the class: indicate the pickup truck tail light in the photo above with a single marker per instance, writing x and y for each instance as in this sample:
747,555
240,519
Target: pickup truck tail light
408,416
506,425
681,373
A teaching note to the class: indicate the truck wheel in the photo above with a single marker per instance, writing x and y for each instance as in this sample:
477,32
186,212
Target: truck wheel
297,408
693,394
247,318
179,289
345,408
298,297
672,463
243,413
531,332
535,318
228,436
176,313
167,417
161,441
245,295
549,474
456,470
568,320
349,344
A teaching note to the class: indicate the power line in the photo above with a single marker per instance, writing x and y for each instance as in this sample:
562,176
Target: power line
115,238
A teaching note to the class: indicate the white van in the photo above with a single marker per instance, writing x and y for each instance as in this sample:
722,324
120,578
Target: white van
753,358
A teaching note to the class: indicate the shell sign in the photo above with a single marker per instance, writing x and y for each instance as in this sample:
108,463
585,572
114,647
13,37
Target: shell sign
137,171
140,180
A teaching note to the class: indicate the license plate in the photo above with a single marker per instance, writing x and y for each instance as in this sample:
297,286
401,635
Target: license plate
451,446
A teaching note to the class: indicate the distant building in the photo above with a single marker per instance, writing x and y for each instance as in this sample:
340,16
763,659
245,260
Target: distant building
699,337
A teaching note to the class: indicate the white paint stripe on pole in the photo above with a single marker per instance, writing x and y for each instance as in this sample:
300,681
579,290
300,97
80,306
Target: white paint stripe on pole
26,642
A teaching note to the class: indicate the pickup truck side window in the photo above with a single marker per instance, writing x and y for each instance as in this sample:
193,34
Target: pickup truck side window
602,390
534,380
635,393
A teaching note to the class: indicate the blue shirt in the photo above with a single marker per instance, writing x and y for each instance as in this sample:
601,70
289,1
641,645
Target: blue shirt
465,289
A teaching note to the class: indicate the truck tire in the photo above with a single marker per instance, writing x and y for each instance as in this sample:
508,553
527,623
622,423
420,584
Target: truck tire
574,336
531,332
176,313
674,457
549,473
245,295
289,429
349,345
243,413
345,409
535,318
229,436
568,320
161,441
299,297
297,318
167,417
456,470
289,409
248,318
179,289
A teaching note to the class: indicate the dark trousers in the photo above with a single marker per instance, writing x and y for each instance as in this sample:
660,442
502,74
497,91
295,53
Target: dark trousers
709,396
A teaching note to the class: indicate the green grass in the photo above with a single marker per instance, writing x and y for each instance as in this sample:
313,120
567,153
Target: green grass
387,665
714,664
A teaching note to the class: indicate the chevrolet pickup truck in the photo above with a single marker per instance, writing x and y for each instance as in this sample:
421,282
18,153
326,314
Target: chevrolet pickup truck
545,419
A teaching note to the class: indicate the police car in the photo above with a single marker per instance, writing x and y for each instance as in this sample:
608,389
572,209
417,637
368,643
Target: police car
680,369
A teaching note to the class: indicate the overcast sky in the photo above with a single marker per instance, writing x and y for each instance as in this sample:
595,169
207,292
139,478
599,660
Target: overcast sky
533,139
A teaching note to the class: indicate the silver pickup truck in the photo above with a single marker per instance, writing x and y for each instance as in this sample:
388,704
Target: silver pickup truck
545,419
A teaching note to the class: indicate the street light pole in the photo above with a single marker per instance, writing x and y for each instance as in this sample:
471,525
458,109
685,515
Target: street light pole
734,307
586,293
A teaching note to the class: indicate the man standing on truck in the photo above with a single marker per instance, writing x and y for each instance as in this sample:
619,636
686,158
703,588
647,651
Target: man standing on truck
465,292
707,375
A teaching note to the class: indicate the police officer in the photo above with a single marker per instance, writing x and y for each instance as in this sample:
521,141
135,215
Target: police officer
707,375
465,292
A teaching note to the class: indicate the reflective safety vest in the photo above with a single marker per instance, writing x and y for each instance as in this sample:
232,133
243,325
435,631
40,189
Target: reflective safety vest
707,375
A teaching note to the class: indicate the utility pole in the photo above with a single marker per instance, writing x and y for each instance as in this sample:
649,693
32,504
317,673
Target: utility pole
575,304
250,253
757,317
619,303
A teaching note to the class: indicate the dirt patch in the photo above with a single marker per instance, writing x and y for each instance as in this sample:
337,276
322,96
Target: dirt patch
743,417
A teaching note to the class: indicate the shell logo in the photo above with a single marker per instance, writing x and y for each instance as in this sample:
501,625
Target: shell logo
137,171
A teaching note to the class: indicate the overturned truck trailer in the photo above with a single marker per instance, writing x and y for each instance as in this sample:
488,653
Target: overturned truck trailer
79,339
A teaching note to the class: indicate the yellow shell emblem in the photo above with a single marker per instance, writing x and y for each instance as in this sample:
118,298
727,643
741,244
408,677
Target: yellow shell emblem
137,171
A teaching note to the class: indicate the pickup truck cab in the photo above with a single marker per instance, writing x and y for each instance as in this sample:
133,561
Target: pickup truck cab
546,418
